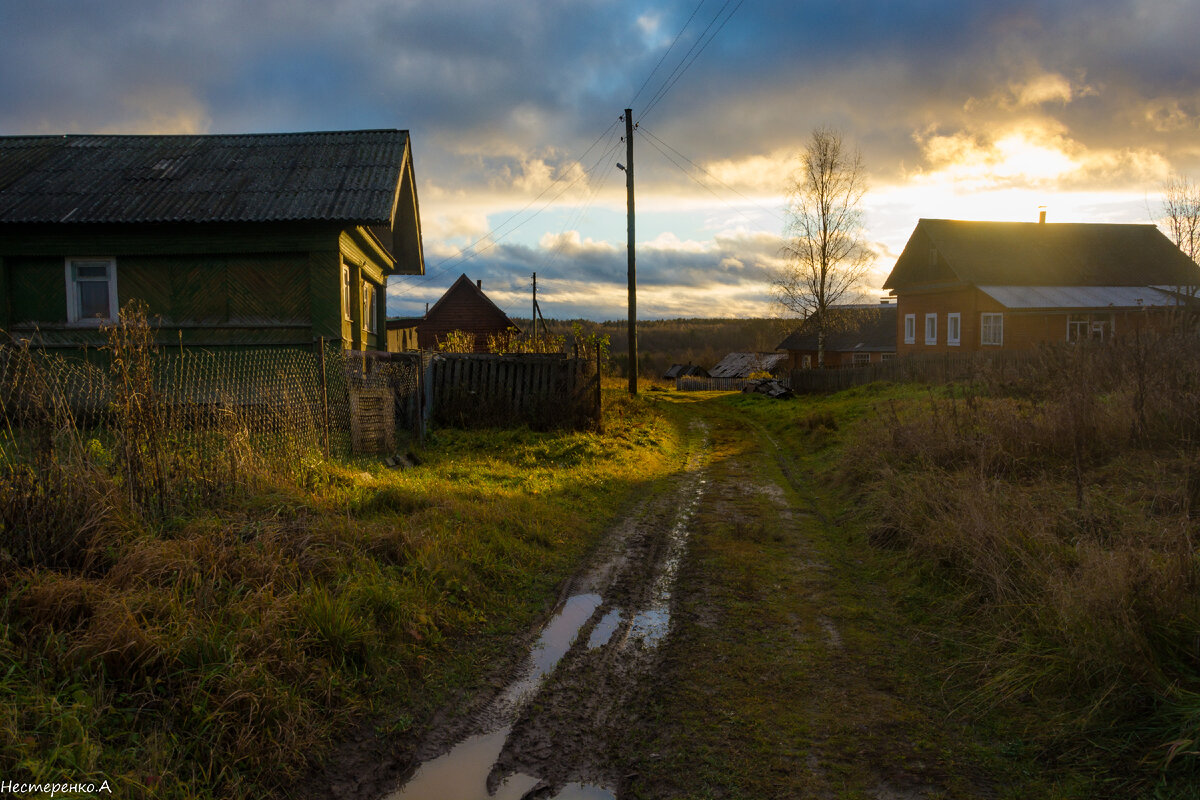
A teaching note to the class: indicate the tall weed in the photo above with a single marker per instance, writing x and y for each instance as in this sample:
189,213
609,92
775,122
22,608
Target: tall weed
1061,510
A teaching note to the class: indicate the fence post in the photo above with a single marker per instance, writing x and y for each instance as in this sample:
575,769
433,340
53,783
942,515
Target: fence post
599,401
324,398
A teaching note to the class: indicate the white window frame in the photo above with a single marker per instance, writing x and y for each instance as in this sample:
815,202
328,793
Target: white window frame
860,359
887,356
74,310
991,323
910,328
931,328
346,292
954,329
369,317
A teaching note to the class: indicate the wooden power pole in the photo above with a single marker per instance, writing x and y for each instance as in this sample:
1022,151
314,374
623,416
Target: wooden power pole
633,354
534,314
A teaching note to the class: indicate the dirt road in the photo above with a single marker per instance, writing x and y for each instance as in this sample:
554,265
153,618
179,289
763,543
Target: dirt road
715,645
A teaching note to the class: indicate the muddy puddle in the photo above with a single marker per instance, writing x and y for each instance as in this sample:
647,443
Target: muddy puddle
547,735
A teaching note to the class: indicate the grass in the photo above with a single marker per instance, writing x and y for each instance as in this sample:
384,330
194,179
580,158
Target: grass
982,590
218,650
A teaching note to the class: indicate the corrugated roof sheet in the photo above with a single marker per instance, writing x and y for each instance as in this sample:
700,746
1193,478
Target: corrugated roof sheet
742,365
342,176
1091,297
1040,254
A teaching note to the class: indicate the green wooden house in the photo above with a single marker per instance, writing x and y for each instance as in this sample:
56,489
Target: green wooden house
231,240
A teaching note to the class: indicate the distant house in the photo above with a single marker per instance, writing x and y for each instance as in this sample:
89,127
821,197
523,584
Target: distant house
743,365
402,334
464,307
231,240
979,286
865,335
685,371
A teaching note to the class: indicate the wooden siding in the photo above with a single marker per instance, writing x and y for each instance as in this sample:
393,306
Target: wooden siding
217,284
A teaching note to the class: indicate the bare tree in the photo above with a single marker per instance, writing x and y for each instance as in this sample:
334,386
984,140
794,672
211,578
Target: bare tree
827,254
1181,214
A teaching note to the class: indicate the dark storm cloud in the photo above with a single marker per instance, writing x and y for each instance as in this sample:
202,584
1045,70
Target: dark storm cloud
501,97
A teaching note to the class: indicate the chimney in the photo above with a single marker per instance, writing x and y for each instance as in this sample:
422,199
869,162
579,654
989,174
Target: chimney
1042,215
479,283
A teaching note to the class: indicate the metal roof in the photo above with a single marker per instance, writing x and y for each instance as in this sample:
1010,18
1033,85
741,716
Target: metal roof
1080,297
1039,254
338,176
742,365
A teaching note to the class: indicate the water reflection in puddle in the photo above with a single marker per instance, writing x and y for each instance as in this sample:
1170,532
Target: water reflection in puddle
604,629
651,625
555,640
462,774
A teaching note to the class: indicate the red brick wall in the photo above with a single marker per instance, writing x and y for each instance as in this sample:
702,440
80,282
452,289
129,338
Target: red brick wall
462,310
1023,330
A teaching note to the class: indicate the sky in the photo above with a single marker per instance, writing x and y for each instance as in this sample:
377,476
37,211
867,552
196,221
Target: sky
960,110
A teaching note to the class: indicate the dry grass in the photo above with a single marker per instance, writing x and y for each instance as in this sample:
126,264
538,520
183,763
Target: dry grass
189,614
1062,514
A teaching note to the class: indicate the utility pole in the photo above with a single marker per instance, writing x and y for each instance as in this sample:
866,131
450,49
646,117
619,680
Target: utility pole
633,354
534,315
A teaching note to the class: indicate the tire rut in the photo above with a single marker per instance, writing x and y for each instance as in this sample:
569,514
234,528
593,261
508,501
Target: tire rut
551,732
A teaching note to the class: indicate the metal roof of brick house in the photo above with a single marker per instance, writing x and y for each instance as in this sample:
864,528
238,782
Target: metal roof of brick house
944,252
338,176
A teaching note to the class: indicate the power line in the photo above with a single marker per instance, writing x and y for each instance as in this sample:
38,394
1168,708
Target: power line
685,64
472,250
705,186
642,88
752,202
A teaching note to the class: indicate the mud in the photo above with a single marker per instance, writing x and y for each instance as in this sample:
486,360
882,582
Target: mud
549,732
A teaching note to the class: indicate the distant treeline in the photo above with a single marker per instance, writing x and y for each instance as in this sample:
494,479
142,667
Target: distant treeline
662,343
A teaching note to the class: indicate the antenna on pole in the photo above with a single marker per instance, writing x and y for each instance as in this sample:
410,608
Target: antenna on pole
628,167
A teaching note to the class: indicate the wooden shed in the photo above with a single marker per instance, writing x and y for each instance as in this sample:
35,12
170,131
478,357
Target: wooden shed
464,307
231,240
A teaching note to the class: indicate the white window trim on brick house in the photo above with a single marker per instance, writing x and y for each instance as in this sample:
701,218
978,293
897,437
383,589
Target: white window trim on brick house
954,329
991,329
910,328
931,328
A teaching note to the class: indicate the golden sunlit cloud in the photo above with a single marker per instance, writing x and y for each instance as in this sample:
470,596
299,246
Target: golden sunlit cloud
762,174
571,244
161,110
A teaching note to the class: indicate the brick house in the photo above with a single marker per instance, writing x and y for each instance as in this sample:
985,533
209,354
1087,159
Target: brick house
464,307
978,286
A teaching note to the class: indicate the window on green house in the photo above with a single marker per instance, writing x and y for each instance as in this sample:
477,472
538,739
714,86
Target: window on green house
369,317
91,290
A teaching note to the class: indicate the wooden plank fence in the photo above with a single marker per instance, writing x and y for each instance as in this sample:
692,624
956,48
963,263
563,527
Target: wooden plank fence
932,368
693,383
543,391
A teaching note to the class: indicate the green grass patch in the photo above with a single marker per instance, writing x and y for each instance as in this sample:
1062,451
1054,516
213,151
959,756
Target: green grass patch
1040,546
219,652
